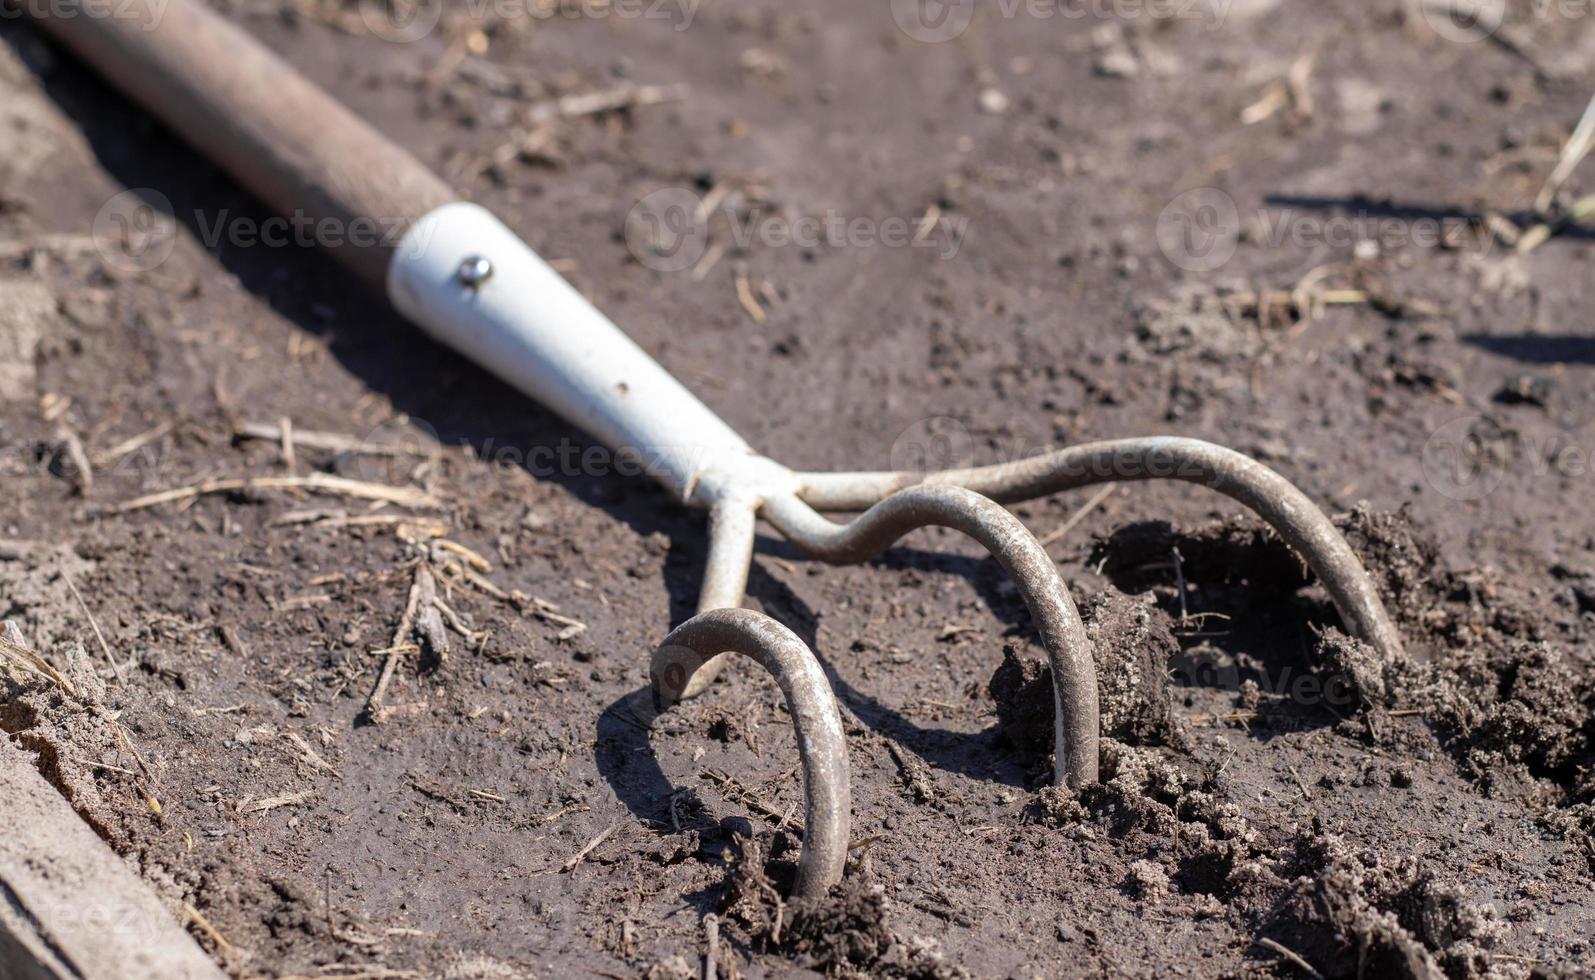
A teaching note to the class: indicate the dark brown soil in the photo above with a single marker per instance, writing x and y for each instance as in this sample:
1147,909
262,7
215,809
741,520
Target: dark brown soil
1274,794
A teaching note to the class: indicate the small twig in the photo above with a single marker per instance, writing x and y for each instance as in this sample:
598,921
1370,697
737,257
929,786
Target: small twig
1290,955
95,624
328,441
1545,231
273,802
476,561
1233,716
105,766
1299,81
1074,520
456,623
1274,98
408,497
375,710
429,625
224,710
627,96
289,461
711,258
215,935
545,611
127,741
309,755
470,577
133,444
1179,580
1573,153
234,642
82,471
592,845
755,802
746,298
15,646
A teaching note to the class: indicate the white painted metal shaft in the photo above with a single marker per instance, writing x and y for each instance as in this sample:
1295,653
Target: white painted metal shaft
470,282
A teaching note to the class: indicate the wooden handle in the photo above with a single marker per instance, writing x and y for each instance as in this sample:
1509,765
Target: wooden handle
278,134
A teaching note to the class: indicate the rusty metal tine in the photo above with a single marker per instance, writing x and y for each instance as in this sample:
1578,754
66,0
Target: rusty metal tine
1276,500
1074,672
822,745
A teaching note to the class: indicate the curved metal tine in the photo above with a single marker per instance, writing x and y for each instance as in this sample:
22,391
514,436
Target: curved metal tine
822,746
725,574
1276,500
1074,672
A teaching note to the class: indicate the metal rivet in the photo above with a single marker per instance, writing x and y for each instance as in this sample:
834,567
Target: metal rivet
474,271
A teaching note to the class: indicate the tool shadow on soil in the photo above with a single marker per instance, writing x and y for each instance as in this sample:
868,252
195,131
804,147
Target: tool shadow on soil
1254,587
1368,207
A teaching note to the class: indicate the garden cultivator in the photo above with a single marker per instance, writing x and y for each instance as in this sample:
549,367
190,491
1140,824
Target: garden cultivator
466,279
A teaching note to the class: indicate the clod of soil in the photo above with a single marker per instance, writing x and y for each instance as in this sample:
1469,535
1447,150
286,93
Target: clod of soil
1133,642
845,933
